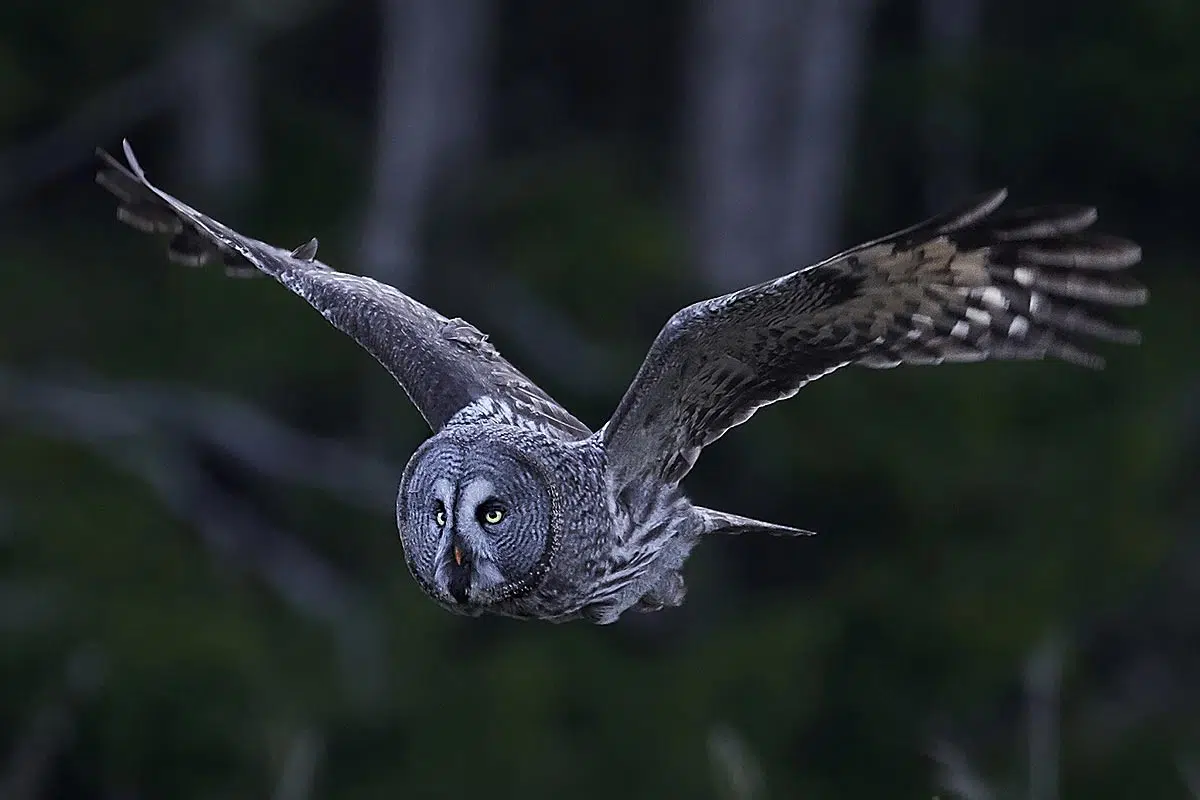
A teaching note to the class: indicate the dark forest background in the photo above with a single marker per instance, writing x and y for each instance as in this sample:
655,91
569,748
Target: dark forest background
202,593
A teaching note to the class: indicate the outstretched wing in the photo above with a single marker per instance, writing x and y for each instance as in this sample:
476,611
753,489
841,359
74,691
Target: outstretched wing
969,285
446,366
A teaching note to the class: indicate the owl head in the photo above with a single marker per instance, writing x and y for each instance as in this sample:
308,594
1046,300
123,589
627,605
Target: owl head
477,515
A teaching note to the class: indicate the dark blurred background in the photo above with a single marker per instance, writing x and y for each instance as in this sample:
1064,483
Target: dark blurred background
202,593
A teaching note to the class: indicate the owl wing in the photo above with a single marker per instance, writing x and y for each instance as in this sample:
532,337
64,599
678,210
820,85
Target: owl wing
446,366
972,284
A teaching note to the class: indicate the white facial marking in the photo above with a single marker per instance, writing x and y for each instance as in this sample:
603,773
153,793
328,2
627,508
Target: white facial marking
472,495
442,491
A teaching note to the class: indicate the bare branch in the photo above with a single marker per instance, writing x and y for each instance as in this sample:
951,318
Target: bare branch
132,428
26,604
99,412
141,96
300,766
239,535
112,111
1189,771
33,756
137,429
735,767
51,728
956,774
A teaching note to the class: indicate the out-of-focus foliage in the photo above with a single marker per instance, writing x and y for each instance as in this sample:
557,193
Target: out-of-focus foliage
965,513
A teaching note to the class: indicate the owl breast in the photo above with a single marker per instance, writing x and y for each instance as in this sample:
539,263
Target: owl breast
634,562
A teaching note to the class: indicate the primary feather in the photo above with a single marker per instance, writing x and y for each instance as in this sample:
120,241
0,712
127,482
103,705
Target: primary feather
972,284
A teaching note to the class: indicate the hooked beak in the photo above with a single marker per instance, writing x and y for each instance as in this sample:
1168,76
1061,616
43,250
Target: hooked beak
459,577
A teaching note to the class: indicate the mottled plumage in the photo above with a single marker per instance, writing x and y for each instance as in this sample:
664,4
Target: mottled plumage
515,507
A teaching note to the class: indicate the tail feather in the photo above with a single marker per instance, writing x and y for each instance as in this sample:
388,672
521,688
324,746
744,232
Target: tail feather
733,524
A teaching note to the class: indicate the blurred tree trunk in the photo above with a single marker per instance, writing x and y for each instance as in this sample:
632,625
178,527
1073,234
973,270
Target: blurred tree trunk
774,88
731,78
951,33
29,767
298,775
773,91
829,50
217,119
1043,689
434,70
430,115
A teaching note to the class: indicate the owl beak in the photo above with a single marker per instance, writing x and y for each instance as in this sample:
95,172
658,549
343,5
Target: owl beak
458,579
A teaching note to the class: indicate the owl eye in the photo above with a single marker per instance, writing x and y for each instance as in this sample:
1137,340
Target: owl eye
439,515
491,515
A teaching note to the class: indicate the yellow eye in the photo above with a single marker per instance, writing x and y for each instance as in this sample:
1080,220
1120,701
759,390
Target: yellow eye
439,517
493,515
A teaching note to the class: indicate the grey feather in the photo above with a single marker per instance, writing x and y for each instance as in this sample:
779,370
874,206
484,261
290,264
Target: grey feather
975,283
306,251
737,525
515,507
444,365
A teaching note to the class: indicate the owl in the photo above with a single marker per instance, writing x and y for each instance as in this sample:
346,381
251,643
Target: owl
515,507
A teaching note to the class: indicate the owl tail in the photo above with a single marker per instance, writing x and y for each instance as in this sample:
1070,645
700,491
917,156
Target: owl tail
721,522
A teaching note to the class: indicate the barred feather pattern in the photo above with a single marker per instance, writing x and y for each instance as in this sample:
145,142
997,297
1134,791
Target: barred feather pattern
973,284
656,532
1030,283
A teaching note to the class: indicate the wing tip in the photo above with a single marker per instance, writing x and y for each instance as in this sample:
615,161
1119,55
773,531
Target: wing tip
972,211
132,159
194,241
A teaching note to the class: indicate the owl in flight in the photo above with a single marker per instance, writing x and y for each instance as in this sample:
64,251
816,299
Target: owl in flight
515,507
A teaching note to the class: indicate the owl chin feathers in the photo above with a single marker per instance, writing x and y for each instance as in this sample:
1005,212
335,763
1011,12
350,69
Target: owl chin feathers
467,576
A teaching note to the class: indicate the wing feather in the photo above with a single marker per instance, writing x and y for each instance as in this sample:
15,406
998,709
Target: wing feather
446,366
975,283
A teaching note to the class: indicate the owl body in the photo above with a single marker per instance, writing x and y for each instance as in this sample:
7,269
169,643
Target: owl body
515,507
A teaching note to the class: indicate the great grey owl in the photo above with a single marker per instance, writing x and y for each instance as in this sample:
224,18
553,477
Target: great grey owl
515,507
